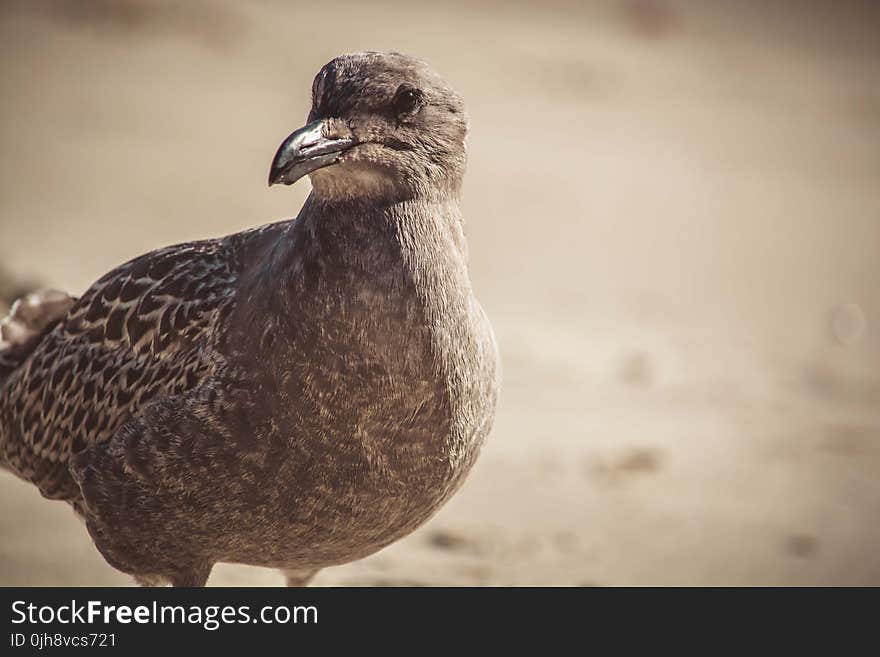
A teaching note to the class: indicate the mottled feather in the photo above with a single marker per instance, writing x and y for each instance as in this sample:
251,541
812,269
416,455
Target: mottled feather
144,331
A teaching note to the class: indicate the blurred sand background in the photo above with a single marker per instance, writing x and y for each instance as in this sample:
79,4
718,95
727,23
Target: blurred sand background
674,219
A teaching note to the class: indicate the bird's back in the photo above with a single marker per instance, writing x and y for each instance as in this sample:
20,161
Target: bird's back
145,330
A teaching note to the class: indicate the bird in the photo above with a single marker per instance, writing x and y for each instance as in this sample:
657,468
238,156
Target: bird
295,396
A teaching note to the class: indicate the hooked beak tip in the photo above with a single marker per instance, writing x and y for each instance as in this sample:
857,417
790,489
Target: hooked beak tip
304,151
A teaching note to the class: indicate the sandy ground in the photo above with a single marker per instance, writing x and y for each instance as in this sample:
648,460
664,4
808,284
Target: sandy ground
674,220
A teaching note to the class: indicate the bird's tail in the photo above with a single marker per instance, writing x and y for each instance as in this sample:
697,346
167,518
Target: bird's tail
29,320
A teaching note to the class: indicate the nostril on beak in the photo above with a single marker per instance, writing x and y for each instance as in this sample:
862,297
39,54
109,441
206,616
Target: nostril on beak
337,129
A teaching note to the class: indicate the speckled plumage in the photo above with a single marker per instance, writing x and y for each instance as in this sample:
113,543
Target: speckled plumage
295,396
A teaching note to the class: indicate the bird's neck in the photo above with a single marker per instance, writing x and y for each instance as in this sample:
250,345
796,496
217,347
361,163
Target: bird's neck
404,257
407,236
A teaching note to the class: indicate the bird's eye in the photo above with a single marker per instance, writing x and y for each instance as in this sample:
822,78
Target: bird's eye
407,100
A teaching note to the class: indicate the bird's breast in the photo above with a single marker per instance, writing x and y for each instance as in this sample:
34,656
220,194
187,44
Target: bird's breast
382,382
379,435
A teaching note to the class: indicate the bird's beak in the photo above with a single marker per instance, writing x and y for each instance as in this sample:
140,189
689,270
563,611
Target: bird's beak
306,150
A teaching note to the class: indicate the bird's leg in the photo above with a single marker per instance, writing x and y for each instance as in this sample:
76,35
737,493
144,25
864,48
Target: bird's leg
298,578
192,578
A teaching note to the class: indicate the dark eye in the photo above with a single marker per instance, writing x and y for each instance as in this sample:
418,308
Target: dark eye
407,100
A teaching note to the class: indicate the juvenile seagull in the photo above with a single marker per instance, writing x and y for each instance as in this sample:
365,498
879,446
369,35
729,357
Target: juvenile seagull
294,396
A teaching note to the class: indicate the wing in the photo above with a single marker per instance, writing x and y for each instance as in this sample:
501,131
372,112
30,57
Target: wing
176,485
146,330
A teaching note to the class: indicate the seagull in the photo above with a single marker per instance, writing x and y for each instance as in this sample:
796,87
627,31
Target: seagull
294,396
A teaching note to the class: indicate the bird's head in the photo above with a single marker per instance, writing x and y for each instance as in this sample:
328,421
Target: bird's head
381,125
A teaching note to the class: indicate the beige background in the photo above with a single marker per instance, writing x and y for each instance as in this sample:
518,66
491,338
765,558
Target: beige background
674,218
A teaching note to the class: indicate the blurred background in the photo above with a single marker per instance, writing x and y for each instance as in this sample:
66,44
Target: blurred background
673,211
